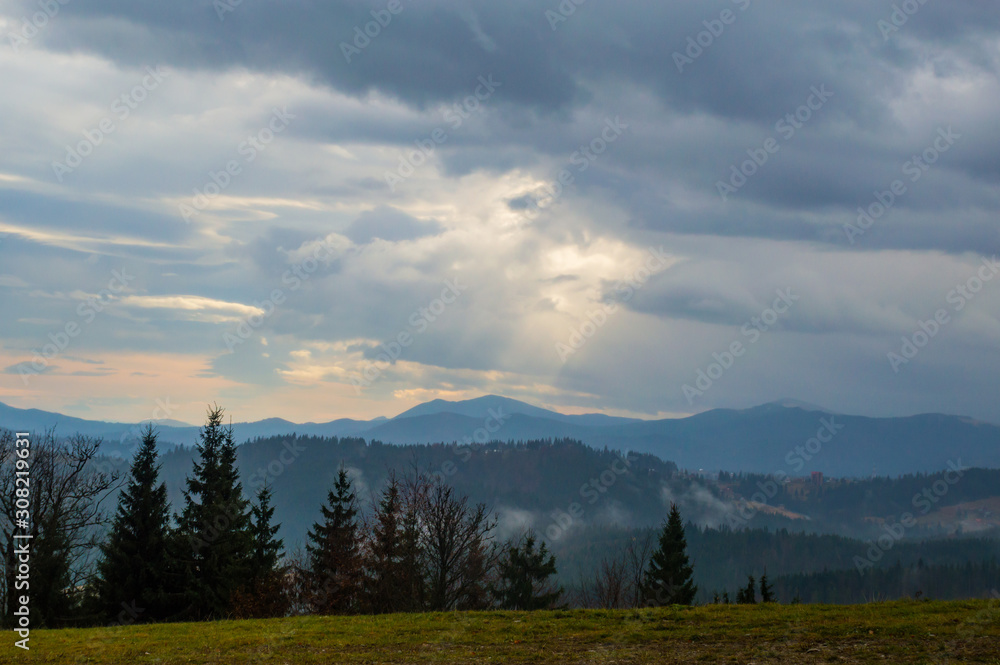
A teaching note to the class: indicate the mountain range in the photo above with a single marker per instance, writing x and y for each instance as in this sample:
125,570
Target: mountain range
788,436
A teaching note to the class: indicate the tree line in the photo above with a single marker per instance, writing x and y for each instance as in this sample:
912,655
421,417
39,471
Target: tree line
918,580
813,568
421,547
842,501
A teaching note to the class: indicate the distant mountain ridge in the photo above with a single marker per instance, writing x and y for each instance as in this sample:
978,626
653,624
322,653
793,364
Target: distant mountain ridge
481,408
786,436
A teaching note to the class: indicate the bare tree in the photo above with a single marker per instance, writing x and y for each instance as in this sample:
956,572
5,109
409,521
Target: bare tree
637,556
459,550
65,516
413,584
618,580
295,582
611,588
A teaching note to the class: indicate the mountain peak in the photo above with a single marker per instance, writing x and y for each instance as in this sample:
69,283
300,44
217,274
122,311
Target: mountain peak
481,408
477,407
788,403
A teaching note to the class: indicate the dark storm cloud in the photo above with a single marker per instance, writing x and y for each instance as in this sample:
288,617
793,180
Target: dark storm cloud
760,69
430,52
427,53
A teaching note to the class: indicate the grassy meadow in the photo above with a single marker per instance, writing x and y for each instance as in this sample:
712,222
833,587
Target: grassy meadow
895,632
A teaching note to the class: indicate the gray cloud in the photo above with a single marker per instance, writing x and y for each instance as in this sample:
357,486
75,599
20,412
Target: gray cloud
466,211
387,223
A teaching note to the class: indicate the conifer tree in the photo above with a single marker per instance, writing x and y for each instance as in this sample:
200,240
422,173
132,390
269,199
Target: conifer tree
263,595
668,579
524,577
134,564
51,564
383,563
215,540
766,590
266,552
412,564
334,556
748,595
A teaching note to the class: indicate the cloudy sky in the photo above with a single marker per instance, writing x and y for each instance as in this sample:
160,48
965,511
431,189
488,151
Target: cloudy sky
587,206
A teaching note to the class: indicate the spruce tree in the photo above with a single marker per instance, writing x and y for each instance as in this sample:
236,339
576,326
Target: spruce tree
263,595
383,563
748,595
266,550
668,579
132,570
524,573
334,556
215,540
412,565
51,565
766,590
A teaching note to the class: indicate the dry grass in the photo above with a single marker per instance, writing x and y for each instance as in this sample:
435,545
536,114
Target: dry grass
898,632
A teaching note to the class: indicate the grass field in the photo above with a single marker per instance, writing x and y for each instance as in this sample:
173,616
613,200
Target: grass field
898,632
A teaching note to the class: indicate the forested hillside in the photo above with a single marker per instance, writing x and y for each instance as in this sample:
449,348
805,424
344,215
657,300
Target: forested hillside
580,500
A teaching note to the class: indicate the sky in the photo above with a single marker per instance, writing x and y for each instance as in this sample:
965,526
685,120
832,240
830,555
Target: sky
314,210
